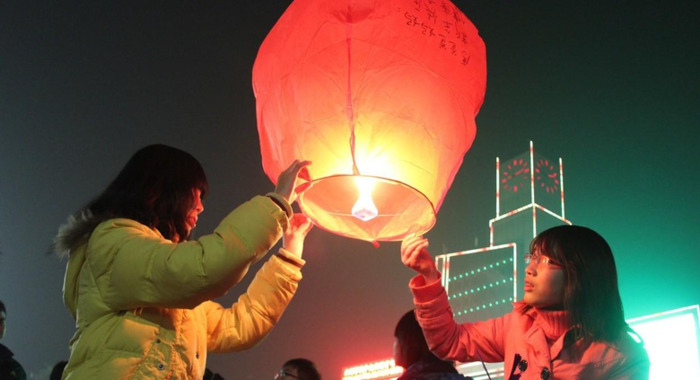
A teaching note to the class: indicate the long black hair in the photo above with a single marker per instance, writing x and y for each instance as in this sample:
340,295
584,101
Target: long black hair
412,343
155,188
591,294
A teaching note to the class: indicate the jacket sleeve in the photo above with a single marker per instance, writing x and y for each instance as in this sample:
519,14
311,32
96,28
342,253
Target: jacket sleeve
138,268
257,311
449,340
632,363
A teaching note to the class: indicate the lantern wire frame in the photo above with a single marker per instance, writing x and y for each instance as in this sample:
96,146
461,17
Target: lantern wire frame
329,202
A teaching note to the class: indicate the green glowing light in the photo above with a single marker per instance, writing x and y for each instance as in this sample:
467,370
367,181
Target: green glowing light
671,341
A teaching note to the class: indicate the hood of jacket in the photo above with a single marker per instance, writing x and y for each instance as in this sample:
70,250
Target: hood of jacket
70,279
78,255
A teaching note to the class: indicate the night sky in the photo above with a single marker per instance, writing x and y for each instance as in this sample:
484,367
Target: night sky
611,87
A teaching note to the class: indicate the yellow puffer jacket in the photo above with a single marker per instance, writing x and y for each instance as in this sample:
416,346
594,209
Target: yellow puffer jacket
142,303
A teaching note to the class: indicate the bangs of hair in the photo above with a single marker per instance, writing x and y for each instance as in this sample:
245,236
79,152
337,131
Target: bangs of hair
547,244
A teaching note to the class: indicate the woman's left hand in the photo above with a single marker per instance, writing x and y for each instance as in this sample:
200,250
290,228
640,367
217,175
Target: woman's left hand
293,239
287,180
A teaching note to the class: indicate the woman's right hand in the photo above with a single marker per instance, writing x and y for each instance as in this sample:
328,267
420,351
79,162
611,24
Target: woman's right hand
293,238
286,182
415,255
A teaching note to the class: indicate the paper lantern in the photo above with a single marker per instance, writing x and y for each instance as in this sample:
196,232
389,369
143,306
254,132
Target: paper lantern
381,95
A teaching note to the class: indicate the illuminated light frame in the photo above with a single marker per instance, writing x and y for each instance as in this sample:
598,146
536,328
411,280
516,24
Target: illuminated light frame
442,262
533,205
475,370
664,358
384,369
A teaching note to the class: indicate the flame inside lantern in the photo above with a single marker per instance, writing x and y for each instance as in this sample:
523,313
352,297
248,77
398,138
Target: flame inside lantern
365,209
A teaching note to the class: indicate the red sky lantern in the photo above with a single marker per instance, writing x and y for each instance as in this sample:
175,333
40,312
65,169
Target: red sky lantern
381,95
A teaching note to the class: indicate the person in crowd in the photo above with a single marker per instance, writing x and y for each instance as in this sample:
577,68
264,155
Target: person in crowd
211,375
299,369
10,369
141,292
412,353
57,370
569,325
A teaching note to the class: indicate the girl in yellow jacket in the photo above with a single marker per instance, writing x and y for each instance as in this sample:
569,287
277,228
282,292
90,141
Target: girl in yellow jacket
141,293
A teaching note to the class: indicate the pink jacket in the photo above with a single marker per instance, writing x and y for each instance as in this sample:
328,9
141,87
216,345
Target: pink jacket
520,342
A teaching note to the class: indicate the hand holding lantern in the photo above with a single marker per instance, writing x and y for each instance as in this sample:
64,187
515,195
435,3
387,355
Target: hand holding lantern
286,182
293,239
415,255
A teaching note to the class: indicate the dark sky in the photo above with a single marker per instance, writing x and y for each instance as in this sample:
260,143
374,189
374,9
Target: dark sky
611,87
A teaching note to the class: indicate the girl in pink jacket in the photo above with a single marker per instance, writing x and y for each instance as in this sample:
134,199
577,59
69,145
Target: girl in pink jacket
569,324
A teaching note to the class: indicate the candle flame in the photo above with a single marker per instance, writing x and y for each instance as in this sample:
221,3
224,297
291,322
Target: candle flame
364,209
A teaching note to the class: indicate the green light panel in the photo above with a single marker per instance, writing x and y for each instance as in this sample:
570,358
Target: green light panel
480,283
672,340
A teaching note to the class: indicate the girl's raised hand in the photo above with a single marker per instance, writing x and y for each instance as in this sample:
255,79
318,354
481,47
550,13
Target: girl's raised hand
293,239
286,182
415,255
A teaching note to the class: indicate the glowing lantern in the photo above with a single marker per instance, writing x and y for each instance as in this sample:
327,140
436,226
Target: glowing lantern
381,95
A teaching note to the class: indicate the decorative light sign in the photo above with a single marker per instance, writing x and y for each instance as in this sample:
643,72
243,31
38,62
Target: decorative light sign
384,369
672,340
381,96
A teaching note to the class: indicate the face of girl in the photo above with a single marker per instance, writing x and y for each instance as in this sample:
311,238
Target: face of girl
544,283
197,209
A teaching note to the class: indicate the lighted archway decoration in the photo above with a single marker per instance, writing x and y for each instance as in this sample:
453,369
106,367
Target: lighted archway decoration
381,95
